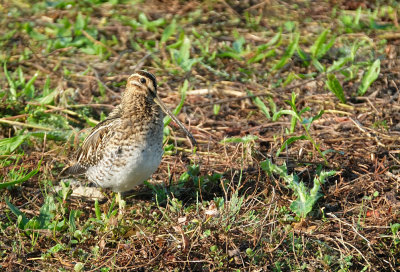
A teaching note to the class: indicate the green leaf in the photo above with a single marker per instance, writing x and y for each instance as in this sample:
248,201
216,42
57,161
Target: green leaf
46,87
358,16
355,48
303,56
56,248
184,51
325,48
278,114
28,176
21,76
260,104
289,25
304,110
271,168
24,220
272,105
238,45
79,267
289,142
276,38
308,121
230,54
182,57
369,77
271,42
97,209
48,99
395,228
303,204
47,212
143,19
168,31
216,108
318,65
150,25
335,87
292,101
288,53
8,145
305,198
28,91
79,23
13,87
291,76
319,48
337,64
261,56
315,49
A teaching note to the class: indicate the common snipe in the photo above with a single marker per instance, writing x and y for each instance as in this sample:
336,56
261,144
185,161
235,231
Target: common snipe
125,149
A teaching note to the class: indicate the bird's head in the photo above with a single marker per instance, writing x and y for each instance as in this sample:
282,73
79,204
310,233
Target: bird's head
142,82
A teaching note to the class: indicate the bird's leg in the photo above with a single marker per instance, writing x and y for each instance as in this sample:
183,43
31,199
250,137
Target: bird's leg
121,204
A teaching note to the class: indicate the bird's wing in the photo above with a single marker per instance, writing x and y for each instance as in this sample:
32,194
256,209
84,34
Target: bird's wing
92,148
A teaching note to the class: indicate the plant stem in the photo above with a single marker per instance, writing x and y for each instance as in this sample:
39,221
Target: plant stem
315,145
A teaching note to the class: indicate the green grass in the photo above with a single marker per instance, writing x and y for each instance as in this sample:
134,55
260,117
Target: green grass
278,104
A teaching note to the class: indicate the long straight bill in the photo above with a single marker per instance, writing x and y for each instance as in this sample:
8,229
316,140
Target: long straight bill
173,117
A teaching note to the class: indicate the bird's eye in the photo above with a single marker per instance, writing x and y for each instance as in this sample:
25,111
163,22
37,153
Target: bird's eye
143,80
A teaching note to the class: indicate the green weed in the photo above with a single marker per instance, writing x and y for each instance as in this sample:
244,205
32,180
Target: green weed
335,87
305,123
305,198
19,176
43,221
369,77
288,52
395,232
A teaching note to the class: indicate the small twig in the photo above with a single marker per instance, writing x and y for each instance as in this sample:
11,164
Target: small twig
279,244
348,224
278,90
359,252
101,82
359,126
91,105
54,108
338,112
198,152
112,66
258,5
140,63
372,106
14,123
230,8
181,139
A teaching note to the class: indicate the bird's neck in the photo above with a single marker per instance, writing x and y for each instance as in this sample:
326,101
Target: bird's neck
139,107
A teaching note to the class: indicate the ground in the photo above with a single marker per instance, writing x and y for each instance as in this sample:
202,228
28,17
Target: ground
294,105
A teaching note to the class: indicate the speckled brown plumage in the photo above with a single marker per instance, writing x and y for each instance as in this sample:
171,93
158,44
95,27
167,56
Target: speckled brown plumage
126,148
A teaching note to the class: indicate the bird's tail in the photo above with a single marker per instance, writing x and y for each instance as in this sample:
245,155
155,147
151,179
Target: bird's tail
76,169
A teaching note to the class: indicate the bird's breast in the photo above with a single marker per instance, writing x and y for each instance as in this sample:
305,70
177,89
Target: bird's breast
128,161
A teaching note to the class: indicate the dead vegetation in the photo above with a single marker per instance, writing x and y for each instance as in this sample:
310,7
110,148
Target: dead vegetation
215,209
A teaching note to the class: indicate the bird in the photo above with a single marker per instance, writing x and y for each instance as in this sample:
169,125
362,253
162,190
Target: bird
126,148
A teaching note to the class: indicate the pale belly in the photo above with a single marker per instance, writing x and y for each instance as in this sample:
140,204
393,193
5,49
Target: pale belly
126,167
